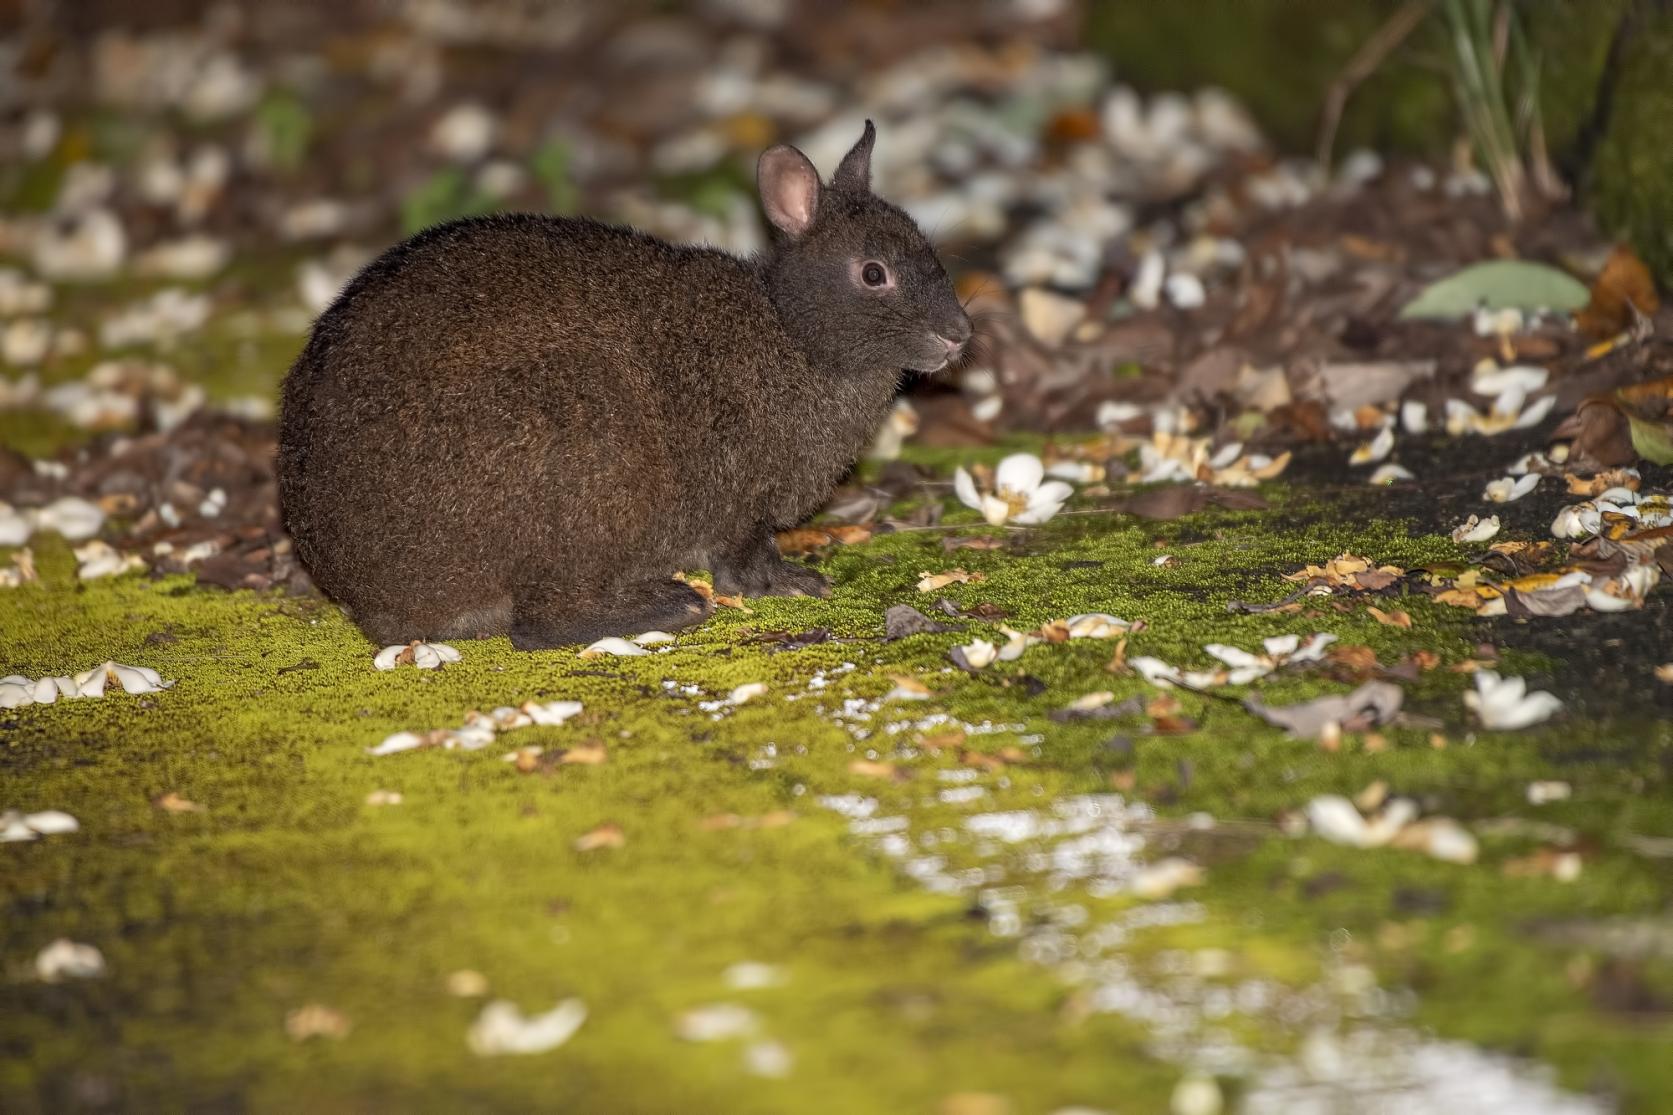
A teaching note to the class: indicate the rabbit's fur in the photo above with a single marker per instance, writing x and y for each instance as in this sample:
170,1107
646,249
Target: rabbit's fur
527,424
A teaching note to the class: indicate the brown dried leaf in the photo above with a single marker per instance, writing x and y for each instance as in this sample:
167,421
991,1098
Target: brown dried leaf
951,543
1623,292
316,1020
586,753
698,585
172,802
607,835
1402,620
929,582
1598,483
803,540
869,768
941,741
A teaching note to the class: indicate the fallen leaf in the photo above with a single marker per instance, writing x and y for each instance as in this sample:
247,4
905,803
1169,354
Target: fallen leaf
607,835
172,802
1401,620
1622,293
315,1020
868,768
698,585
1373,703
929,582
903,620
589,753
1497,285
467,983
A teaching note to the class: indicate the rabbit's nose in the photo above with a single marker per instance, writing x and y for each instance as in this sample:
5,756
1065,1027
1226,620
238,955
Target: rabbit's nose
953,345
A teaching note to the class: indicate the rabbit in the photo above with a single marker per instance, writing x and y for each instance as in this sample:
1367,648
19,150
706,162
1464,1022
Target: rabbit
526,425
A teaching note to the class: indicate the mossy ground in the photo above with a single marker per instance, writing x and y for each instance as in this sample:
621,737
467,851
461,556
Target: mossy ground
288,889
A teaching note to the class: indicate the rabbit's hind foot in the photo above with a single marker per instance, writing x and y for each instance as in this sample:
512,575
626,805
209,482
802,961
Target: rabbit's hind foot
541,621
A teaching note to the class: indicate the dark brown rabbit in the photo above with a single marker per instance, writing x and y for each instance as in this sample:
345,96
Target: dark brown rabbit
528,424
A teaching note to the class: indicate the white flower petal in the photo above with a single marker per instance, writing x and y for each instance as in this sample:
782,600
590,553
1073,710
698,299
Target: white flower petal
1038,513
400,741
1232,656
616,645
1335,818
747,692
995,510
502,1028
1020,473
1389,474
552,713
52,822
67,959
965,486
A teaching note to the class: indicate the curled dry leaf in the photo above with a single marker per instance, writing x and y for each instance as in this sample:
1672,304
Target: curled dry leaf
1623,292
607,835
907,688
172,802
929,582
1402,620
315,1020
1160,879
872,768
467,983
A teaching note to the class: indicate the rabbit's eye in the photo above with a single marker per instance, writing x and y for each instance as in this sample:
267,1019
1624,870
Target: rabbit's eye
874,274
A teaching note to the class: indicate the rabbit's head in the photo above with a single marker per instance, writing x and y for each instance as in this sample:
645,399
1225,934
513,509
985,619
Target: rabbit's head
854,279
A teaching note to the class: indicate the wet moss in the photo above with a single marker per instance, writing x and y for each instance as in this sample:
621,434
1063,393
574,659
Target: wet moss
290,889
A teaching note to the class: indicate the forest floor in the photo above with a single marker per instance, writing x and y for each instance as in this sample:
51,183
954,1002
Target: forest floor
1075,833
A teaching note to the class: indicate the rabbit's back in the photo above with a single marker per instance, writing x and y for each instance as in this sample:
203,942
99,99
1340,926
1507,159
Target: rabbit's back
512,388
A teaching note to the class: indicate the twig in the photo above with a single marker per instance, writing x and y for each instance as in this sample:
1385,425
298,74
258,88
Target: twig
1365,62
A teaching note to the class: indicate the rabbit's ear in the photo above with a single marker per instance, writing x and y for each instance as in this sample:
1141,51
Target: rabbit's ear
789,188
854,172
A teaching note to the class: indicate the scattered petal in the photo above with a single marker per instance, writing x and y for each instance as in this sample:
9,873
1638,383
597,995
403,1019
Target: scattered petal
613,645
1475,529
503,1029
1504,703
67,959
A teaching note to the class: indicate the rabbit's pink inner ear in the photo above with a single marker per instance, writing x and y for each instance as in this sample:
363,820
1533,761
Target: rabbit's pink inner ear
789,188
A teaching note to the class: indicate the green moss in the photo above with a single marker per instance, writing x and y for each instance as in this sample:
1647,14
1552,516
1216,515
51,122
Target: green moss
290,890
